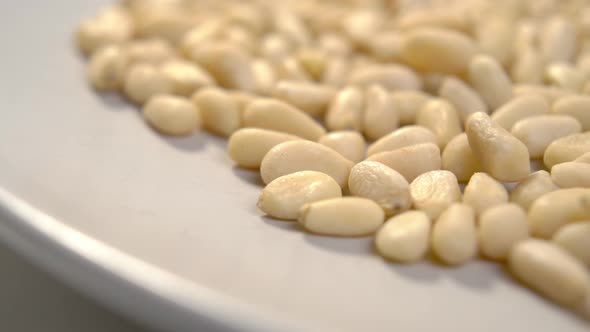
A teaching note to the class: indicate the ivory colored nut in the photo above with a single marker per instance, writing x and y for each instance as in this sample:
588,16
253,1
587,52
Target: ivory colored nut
571,174
458,158
347,216
576,106
313,60
185,77
171,115
534,186
462,96
144,81
550,270
411,161
284,196
502,155
151,51
566,149
228,65
442,119
483,192
375,181
537,132
518,109
380,115
550,93
528,67
391,77
402,137
437,50
293,156
346,110
405,237
407,104
350,144
575,238
495,36
500,228
454,235
557,208
565,76
290,69
558,40
585,158
490,80
280,116
107,68
336,72
434,191
111,27
312,98
220,113
265,76
248,146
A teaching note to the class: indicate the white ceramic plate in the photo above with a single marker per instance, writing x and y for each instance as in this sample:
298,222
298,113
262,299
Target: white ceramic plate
166,230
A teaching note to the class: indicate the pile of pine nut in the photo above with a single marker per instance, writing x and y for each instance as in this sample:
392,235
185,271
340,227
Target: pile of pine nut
391,103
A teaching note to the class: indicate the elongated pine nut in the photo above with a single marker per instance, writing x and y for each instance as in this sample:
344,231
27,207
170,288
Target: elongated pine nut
490,80
277,115
550,270
537,132
107,67
391,77
528,67
534,186
284,196
500,228
313,61
550,93
565,76
172,115
151,51
407,104
185,77
265,77
502,155
230,67
518,109
112,26
220,113
454,235
434,191
557,208
380,116
442,119
350,144
144,81
336,72
291,70
293,156
483,192
347,216
411,161
463,97
458,158
375,181
566,149
576,106
571,174
438,50
248,146
575,238
346,110
309,97
558,41
405,237
403,137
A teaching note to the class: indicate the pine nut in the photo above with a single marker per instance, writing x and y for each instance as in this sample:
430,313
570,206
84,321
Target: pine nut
411,161
381,117
518,109
347,216
248,146
442,119
575,238
350,144
144,81
534,186
107,68
284,196
576,106
502,155
483,192
375,181
537,132
277,115
172,115
346,110
571,174
293,156
220,113
458,158
454,235
500,228
391,77
405,237
566,149
557,208
434,191
490,80
407,103
463,97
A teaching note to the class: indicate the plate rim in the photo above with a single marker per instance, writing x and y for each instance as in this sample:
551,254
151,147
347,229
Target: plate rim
121,281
